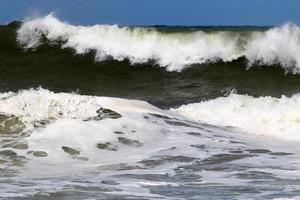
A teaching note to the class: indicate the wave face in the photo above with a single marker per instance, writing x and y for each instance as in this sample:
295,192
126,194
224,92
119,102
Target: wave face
174,50
50,66
276,117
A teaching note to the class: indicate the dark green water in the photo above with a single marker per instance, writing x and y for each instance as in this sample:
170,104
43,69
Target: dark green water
60,70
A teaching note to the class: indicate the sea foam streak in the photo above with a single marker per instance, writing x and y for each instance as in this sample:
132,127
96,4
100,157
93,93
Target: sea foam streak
174,51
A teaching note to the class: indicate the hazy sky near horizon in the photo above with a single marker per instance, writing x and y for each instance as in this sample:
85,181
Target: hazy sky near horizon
162,12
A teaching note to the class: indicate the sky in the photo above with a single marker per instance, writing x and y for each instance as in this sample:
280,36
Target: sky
157,12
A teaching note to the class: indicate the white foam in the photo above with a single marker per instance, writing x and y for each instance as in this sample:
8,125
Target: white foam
68,127
276,117
139,45
162,143
40,104
278,45
174,51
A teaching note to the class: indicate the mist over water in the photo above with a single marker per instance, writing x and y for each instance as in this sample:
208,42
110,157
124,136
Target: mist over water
109,112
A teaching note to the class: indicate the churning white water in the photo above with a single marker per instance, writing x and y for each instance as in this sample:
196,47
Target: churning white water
270,116
75,146
173,51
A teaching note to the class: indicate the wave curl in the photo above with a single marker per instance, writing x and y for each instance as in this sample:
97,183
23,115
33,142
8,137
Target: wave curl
174,50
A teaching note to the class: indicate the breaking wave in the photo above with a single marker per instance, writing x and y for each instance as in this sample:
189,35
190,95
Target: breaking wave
269,116
104,144
172,50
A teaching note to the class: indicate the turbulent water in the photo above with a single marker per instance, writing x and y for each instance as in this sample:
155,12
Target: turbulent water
110,112
174,51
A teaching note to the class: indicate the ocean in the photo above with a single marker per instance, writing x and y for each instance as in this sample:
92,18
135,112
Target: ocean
156,112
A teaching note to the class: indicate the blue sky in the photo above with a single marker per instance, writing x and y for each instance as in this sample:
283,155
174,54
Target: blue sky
163,12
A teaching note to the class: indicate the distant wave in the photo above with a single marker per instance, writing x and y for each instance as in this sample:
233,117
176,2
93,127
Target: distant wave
171,50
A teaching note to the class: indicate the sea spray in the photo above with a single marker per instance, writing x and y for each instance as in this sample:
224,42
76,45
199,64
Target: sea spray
173,51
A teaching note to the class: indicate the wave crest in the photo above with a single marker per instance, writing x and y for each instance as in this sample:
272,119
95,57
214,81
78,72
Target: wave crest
278,45
173,51
277,117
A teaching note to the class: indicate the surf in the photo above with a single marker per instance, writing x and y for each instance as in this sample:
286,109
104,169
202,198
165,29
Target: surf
173,51
108,144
